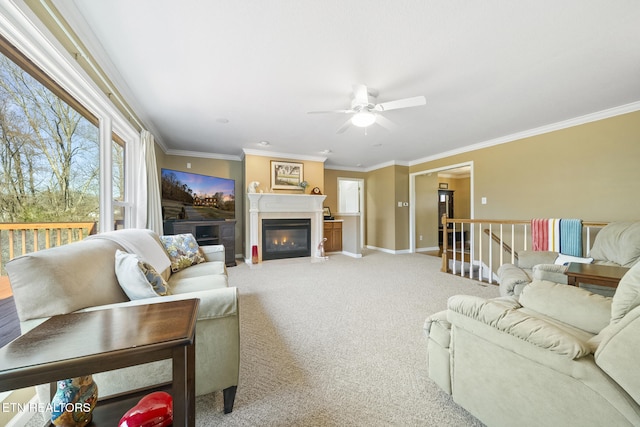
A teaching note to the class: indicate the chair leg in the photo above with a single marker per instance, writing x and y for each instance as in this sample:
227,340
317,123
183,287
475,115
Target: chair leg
229,395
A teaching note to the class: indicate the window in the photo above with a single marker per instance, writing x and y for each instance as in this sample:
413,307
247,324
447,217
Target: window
118,179
50,153
51,150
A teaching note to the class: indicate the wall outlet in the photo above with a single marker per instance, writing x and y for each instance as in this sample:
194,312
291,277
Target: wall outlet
405,203
483,200
421,237
188,165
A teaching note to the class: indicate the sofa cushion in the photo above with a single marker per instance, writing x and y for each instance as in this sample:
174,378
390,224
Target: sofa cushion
618,242
627,296
183,251
504,316
137,278
568,304
64,279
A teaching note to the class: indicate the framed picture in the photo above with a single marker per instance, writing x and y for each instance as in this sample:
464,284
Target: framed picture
286,175
327,211
443,186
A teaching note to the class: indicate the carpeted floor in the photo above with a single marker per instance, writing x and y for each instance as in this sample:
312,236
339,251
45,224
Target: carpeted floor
339,343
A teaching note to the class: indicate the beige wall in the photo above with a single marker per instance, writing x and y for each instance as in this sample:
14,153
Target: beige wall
426,210
213,167
588,171
258,168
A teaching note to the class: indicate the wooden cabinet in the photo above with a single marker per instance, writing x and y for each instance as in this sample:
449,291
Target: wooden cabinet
208,233
333,233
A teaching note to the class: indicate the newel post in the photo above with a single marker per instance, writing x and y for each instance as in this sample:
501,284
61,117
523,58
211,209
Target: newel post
445,242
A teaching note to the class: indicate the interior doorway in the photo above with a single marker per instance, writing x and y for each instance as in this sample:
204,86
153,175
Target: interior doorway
424,201
351,201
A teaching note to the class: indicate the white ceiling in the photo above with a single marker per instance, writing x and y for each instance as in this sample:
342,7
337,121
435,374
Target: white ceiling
488,69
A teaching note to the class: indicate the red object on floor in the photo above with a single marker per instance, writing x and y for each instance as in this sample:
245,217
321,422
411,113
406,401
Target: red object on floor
254,254
153,410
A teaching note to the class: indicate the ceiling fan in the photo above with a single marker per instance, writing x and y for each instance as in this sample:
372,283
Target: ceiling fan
366,112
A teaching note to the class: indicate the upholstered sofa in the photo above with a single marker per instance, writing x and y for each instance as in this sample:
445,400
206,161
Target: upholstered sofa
557,355
82,276
618,243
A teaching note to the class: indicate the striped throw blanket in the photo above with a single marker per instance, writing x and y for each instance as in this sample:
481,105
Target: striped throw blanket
558,235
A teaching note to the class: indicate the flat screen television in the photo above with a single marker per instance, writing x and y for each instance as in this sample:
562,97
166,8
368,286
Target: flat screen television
193,197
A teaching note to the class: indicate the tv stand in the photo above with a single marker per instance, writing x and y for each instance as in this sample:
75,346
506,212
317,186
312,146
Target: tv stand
214,232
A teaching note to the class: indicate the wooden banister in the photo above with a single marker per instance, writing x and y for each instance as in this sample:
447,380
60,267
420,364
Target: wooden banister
496,239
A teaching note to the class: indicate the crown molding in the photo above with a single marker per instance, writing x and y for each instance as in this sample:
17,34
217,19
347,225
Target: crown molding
263,153
576,121
186,153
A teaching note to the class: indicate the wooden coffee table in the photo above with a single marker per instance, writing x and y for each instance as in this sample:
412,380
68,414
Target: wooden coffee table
595,274
77,344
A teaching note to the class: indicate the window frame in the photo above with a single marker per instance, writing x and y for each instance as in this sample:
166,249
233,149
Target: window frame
26,41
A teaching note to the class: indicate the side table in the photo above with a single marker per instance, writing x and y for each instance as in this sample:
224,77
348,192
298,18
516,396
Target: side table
84,343
595,274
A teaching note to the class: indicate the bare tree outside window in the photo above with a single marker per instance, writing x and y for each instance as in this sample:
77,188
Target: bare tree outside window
49,156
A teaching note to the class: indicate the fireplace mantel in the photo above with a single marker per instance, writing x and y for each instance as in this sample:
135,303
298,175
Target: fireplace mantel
272,205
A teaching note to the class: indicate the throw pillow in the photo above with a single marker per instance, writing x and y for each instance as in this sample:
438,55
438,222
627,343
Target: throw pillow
627,296
137,278
183,251
566,259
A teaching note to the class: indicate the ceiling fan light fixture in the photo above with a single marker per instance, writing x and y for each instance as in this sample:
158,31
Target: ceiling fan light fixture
363,119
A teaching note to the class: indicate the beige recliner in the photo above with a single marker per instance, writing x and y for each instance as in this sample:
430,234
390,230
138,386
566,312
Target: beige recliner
618,244
558,355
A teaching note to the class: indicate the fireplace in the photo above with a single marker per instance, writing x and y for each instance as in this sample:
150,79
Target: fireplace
286,238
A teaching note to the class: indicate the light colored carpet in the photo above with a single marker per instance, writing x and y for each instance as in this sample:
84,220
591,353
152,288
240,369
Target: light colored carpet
339,343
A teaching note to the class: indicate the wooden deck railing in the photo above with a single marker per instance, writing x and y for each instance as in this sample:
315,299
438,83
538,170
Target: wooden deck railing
20,238
490,243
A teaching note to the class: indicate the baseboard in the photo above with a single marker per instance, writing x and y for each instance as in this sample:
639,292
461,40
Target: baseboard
351,254
428,249
389,251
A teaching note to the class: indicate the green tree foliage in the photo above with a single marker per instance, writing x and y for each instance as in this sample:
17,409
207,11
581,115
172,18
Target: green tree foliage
49,157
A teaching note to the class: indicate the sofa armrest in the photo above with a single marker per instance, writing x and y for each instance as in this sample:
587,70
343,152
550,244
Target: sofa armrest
504,316
551,272
527,259
512,279
568,304
214,303
213,252
617,352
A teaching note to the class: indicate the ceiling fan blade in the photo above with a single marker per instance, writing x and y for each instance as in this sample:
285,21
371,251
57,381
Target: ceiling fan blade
384,122
332,111
401,103
344,127
360,95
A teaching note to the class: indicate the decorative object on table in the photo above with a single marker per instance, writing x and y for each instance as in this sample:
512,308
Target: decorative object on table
286,175
321,253
316,191
73,403
254,254
253,187
153,410
326,211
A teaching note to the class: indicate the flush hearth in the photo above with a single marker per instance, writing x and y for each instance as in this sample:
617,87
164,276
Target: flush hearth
286,238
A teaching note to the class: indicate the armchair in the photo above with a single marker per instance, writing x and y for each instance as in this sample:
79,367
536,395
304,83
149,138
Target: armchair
558,355
618,244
